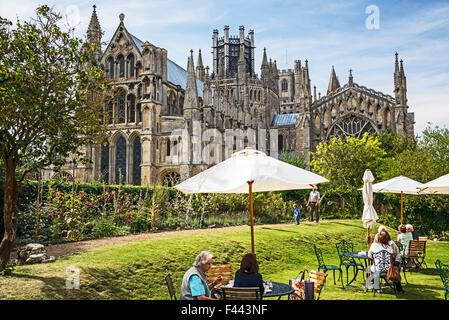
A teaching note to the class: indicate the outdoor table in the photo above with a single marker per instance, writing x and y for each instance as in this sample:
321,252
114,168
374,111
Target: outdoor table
278,290
358,255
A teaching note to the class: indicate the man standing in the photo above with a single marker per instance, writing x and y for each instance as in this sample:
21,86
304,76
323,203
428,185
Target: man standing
314,200
296,213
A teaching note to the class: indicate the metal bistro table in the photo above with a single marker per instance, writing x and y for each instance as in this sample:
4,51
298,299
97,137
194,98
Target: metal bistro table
278,290
357,255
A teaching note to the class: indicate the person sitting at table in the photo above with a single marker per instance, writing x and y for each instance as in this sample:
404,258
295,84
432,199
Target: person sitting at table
379,230
404,237
397,260
194,285
248,275
414,233
383,243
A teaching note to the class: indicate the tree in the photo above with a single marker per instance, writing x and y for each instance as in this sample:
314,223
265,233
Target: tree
293,159
51,101
344,160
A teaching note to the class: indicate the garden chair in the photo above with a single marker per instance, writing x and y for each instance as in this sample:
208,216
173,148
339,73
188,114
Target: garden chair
319,279
381,261
347,246
325,267
403,262
171,288
249,293
225,270
443,271
416,253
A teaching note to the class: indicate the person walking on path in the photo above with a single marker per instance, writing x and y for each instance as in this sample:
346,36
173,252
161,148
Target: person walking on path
314,202
296,213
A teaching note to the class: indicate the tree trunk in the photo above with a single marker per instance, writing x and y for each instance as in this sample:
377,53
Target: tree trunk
9,212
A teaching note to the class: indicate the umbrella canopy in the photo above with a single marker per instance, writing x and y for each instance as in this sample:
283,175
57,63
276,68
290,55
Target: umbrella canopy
233,174
400,184
369,216
439,185
249,171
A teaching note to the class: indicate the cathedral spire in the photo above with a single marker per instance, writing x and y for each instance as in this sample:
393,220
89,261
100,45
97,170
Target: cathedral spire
199,67
94,31
334,84
191,102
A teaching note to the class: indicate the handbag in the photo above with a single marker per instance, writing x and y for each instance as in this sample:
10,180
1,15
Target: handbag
304,289
393,273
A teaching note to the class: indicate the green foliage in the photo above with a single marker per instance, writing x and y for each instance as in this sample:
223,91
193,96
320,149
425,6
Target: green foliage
343,161
293,159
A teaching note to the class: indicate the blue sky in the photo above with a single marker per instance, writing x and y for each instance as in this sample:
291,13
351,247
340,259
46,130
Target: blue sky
324,32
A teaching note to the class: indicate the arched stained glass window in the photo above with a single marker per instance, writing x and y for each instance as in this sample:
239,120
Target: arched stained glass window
132,108
121,62
121,108
120,161
110,112
131,65
111,67
104,165
351,126
284,85
137,159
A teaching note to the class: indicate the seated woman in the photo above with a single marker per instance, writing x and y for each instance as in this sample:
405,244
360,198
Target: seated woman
248,275
194,285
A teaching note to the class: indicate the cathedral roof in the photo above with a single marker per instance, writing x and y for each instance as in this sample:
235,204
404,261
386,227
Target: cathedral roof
287,119
175,73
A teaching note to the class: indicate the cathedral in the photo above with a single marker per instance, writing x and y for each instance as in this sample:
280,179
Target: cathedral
167,123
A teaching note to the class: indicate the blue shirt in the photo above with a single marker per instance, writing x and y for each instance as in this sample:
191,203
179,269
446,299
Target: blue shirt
197,287
297,212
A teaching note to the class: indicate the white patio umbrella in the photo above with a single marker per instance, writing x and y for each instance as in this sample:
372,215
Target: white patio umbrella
369,216
439,185
400,184
249,171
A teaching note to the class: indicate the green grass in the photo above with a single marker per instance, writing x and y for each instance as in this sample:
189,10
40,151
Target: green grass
136,270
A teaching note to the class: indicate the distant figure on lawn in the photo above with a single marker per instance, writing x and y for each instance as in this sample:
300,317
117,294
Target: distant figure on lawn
194,285
314,202
248,275
296,213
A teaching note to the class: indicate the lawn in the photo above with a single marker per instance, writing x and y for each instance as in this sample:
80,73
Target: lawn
136,270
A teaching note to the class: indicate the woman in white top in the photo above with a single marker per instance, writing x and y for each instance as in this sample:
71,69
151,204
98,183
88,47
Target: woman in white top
384,242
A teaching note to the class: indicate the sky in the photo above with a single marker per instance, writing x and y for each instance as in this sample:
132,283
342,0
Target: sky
358,35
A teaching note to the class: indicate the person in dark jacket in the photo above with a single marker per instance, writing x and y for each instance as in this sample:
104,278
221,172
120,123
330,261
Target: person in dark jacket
248,275
415,234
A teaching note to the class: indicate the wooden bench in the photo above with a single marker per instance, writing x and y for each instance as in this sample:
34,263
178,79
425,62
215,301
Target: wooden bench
416,253
225,270
250,293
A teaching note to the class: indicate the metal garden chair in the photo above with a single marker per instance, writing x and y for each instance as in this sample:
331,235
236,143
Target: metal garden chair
347,246
443,271
381,261
325,267
171,288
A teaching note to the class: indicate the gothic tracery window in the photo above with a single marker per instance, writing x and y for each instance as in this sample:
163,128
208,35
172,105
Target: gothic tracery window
137,159
171,178
120,161
351,126
284,85
121,108
121,61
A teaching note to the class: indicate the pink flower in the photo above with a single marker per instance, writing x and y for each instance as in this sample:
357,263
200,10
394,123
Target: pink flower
129,215
58,213
129,220
122,207
57,194
107,190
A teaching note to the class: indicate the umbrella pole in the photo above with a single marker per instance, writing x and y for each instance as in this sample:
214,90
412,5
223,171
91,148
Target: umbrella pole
250,183
402,206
